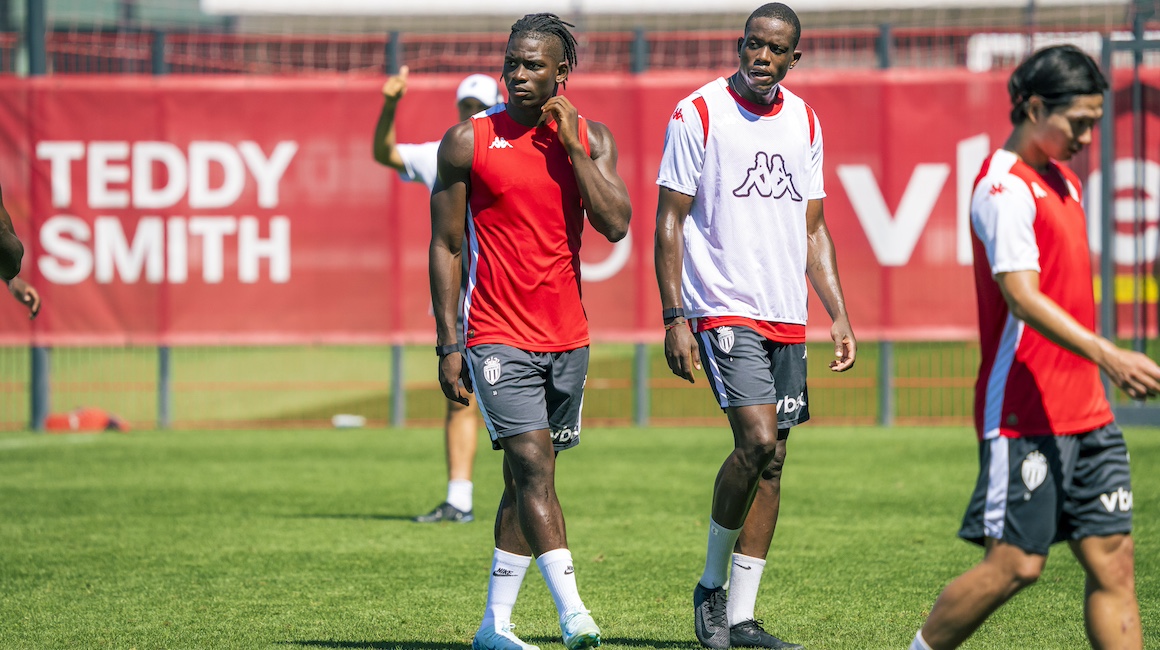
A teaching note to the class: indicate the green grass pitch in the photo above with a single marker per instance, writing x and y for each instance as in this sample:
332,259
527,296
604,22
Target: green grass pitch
301,539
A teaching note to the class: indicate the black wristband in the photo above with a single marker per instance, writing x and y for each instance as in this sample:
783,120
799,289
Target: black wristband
444,350
671,313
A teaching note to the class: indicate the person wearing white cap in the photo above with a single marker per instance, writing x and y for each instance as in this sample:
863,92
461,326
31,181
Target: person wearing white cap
417,162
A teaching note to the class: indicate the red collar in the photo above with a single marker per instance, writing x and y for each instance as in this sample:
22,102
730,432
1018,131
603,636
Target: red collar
765,110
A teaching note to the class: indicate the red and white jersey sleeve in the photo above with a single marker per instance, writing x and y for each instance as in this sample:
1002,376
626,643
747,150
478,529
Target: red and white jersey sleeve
1003,216
684,155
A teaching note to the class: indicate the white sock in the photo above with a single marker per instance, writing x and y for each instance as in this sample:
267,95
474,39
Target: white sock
556,567
717,559
507,574
459,494
743,587
919,643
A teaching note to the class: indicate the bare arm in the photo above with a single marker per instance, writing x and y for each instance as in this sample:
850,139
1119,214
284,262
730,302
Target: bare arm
604,192
26,295
822,271
1132,372
669,254
11,250
385,151
448,213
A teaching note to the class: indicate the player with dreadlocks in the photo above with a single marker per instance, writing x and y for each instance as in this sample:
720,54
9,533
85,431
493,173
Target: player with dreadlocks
525,174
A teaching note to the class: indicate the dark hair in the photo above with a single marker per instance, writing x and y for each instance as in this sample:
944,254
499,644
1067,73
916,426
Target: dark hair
1056,74
777,11
548,25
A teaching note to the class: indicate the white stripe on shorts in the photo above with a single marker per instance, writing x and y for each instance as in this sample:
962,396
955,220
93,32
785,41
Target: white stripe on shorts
479,398
717,381
998,484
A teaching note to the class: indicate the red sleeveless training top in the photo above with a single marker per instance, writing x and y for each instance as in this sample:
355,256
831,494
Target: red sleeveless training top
523,233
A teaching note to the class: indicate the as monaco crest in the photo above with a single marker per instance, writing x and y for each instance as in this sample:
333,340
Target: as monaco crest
725,339
491,369
1034,470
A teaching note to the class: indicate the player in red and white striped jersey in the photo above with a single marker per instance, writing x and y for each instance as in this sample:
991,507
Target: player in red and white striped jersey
1053,463
740,227
530,170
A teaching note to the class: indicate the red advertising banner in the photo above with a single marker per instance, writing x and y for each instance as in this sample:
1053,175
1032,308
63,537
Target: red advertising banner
185,210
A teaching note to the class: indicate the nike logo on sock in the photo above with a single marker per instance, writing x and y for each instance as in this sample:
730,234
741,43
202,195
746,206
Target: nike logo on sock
569,571
503,573
747,568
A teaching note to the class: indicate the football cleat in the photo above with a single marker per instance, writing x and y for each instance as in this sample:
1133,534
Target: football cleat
710,618
580,631
445,512
750,634
499,638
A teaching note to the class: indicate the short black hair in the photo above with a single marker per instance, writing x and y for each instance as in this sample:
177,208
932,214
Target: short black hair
777,11
546,24
1056,74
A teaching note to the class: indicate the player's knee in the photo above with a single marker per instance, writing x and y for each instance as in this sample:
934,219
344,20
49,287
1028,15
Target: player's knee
1115,569
1026,572
758,455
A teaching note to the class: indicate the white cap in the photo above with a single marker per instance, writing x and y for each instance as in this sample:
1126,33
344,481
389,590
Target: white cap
481,87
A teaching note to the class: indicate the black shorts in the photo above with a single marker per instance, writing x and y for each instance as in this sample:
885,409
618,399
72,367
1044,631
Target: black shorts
745,368
1034,492
520,391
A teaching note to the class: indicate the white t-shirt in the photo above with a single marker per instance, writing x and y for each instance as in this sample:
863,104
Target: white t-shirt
751,175
420,162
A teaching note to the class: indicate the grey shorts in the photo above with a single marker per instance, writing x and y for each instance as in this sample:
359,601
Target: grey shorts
1034,492
745,368
520,391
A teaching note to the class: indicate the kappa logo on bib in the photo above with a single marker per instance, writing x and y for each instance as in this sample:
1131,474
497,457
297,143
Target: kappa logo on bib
491,370
769,178
1034,470
725,338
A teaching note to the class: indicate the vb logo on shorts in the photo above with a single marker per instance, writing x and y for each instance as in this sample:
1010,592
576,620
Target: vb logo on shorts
1034,470
491,370
725,338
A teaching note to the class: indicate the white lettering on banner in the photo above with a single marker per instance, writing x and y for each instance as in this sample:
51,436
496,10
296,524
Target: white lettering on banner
110,250
1131,196
201,156
213,231
121,173
893,237
66,260
60,156
969,157
268,172
145,195
251,248
103,170
160,249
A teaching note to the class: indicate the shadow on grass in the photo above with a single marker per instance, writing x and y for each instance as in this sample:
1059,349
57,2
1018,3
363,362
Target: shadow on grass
371,517
381,645
426,645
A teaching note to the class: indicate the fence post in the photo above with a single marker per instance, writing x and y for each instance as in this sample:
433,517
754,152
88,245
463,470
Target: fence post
398,392
394,53
1107,216
39,394
640,379
158,65
164,391
639,58
885,46
886,383
34,35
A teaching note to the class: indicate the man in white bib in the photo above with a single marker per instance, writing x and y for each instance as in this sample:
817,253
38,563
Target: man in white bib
740,227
